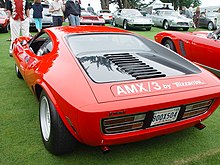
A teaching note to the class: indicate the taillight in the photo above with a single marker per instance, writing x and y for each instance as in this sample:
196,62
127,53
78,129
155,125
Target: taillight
196,108
123,124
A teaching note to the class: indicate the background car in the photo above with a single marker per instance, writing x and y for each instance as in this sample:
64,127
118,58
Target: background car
4,21
131,18
47,20
168,19
88,18
208,20
104,86
201,47
106,14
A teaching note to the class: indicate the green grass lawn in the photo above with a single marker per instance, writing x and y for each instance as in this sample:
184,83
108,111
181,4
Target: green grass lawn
20,139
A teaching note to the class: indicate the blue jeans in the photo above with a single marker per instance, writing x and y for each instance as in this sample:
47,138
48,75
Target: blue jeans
38,23
57,20
74,20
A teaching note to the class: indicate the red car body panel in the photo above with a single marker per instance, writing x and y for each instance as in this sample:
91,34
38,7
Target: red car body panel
83,104
195,46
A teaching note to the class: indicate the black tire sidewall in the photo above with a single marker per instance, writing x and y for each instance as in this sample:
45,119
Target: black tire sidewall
18,73
170,42
60,140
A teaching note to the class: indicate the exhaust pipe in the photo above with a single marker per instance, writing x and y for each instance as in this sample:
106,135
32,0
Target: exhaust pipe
200,126
105,149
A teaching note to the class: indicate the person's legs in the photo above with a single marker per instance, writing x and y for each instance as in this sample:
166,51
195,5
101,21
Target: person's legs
37,23
25,27
15,31
55,22
77,20
60,20
72,20
40,23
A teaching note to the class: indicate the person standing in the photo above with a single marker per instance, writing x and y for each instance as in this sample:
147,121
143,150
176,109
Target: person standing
191,10
19,14
57,13
37,14
73,12
196,17
90,8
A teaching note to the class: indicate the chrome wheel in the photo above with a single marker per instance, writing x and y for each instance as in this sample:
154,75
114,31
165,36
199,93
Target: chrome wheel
210,26
45,118
125,25
166,25
114,23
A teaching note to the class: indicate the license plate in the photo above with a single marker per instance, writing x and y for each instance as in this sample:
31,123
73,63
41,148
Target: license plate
165,116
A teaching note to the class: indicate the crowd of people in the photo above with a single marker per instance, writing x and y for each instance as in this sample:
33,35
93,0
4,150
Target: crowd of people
19,13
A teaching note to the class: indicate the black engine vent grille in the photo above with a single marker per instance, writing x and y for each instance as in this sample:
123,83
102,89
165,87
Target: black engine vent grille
133,66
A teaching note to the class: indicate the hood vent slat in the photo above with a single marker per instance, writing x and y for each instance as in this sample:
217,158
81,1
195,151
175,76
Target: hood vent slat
133,66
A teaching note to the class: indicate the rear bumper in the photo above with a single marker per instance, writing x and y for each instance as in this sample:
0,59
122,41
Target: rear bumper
90,132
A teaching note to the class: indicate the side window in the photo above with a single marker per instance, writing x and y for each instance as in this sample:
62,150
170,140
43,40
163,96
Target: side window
41,42
45,48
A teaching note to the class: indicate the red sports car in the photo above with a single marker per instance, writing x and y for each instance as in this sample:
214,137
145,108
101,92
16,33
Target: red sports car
87,18
4,21
104,86
201,47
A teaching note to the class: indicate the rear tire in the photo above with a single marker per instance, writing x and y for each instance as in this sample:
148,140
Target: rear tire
169,44
18,73
5,29
56,138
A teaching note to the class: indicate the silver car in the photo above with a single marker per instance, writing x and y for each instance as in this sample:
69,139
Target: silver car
131,18
171,19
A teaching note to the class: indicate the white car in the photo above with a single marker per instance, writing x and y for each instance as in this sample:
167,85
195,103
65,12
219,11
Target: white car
131,18
168,19
106,14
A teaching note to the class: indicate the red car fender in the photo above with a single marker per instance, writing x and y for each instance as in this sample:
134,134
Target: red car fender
63,117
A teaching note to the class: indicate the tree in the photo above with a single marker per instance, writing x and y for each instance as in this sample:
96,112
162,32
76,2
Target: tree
105,4
180,3
134,4
2,4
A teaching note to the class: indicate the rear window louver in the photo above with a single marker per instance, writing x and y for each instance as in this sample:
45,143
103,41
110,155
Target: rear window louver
133,66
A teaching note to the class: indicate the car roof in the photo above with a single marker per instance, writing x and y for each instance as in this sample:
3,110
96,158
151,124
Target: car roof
85,29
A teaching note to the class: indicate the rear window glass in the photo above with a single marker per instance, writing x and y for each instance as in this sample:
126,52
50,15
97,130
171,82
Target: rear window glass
105,42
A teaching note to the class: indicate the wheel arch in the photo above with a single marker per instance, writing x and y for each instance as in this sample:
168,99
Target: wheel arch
214,25
38,88
168,38
165,20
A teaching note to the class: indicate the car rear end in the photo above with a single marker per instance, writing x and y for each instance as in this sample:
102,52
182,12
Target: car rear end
142,89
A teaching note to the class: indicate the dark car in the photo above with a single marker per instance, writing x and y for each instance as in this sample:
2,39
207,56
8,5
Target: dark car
208,20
